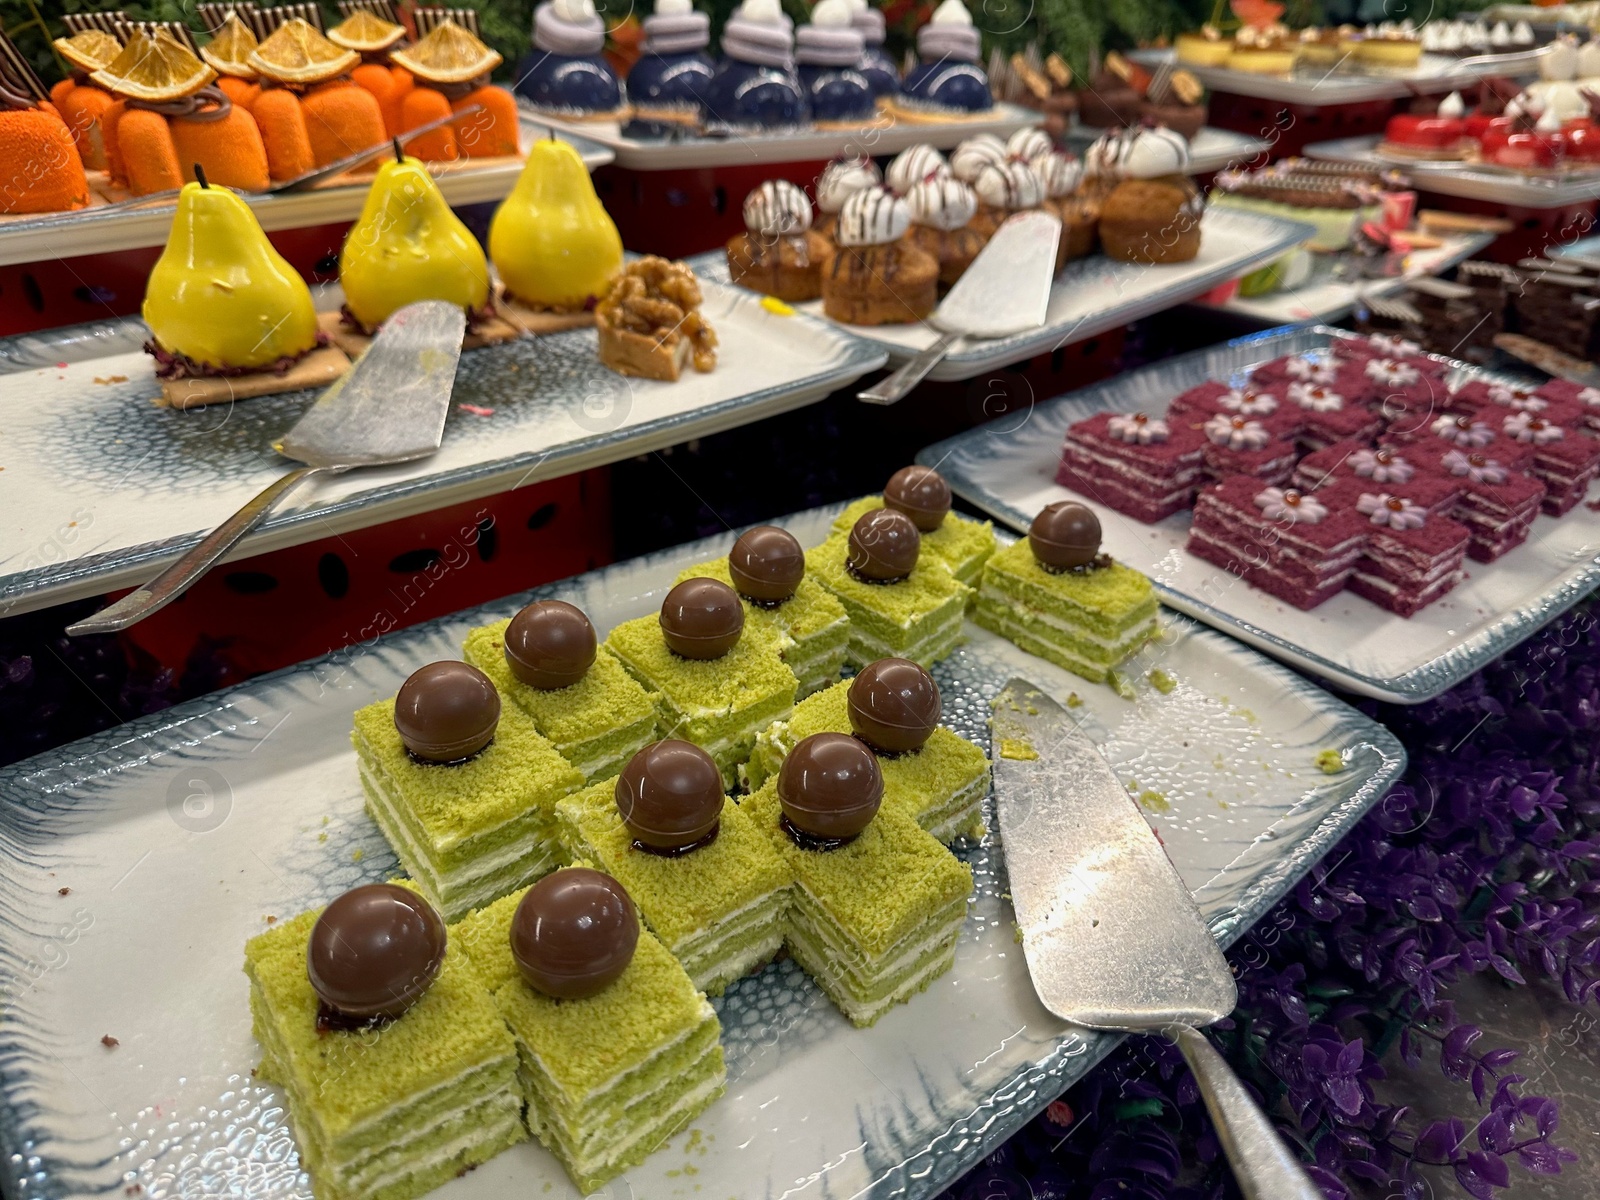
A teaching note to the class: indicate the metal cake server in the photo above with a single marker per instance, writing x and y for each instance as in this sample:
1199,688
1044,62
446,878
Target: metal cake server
1112,938
1004,291
388,408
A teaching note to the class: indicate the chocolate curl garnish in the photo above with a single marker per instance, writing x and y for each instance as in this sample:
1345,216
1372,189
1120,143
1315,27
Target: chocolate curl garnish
15,101
190,108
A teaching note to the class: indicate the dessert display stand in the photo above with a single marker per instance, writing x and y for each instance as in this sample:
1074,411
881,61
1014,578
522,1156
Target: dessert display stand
1544,211
679,196
67,268
1314,105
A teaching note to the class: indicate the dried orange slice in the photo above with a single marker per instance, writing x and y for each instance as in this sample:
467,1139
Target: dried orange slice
89,50
449,54
154,68
229,48
366,32
297,53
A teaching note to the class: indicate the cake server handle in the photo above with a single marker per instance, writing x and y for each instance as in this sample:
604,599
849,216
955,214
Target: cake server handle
175,580
893,388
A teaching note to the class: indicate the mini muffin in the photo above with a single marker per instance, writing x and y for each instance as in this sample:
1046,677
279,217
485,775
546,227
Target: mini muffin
1109,102
1153,214
876,276
1062,177
841,179
1003,189
914,165
779,254
941,223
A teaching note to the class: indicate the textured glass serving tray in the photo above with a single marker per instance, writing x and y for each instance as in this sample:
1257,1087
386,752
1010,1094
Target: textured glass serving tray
134,865
1090,296
100,487
1008,467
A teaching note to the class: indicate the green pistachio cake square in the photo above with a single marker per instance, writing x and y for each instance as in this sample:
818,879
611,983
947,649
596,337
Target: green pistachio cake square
597,723
876,920
941,785
610,1078
392,1111
719,909
1085,620
961,543
471,831
810,627
719,704
917,618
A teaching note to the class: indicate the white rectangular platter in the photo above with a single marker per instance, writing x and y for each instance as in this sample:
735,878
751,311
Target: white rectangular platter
1467,181
1008,469
92,231
101,488
1089,297
1328,297
1321,86
872,139
133,867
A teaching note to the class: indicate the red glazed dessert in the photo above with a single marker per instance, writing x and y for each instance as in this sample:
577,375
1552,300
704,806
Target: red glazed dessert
1441,134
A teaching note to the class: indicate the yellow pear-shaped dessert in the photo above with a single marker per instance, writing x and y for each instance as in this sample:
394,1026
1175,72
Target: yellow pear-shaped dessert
552,242
408,246
220,295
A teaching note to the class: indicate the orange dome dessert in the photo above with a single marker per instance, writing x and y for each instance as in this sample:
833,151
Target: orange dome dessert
309,112
229,52
168,117
451,69
80,103
32,133
372,37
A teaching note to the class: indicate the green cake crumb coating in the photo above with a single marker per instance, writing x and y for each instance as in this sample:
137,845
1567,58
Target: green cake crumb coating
918,618
718,704
876,920
1329,762
1084,621
961,543
719,909
941,786
391,1112
473,831
609,1078
597,724
810,627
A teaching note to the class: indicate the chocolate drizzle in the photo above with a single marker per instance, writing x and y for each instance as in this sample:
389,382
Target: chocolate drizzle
208,104
677,851
810,841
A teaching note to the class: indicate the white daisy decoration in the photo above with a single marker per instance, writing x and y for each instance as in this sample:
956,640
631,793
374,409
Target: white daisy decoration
1474,467
1463,430
1236,433
1315,397
1394,511
1138,428
1248,403
1381,466
1525,428
1287,504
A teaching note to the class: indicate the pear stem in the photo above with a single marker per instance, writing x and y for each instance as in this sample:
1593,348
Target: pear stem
399,154
200,175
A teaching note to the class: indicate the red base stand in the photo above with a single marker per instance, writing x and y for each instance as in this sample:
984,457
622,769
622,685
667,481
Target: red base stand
1535,228
678,213
266,612
1293,127
70,291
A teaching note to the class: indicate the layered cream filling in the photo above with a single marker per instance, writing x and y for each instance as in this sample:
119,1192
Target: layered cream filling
1136,633
865,1012
1016,631
865,648
811,917
565,1099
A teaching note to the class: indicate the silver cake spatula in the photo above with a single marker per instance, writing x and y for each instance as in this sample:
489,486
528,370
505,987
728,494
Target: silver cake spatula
1112,938
388,408
1004,291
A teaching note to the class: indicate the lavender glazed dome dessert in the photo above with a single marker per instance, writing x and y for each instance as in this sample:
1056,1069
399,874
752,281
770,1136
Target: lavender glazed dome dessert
947,79
875,65
565,72
755,86
829,52
667,82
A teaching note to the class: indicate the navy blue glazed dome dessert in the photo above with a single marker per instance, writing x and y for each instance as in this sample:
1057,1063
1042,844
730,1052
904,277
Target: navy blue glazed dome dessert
565,72
829,51
668,81
881,74
755,86
947,78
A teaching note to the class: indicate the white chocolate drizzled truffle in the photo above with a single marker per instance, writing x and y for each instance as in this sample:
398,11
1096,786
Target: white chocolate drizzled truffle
1028,143
942,203
843,178
913,165
1059,173
874,217
1010,185
777,209
976,153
